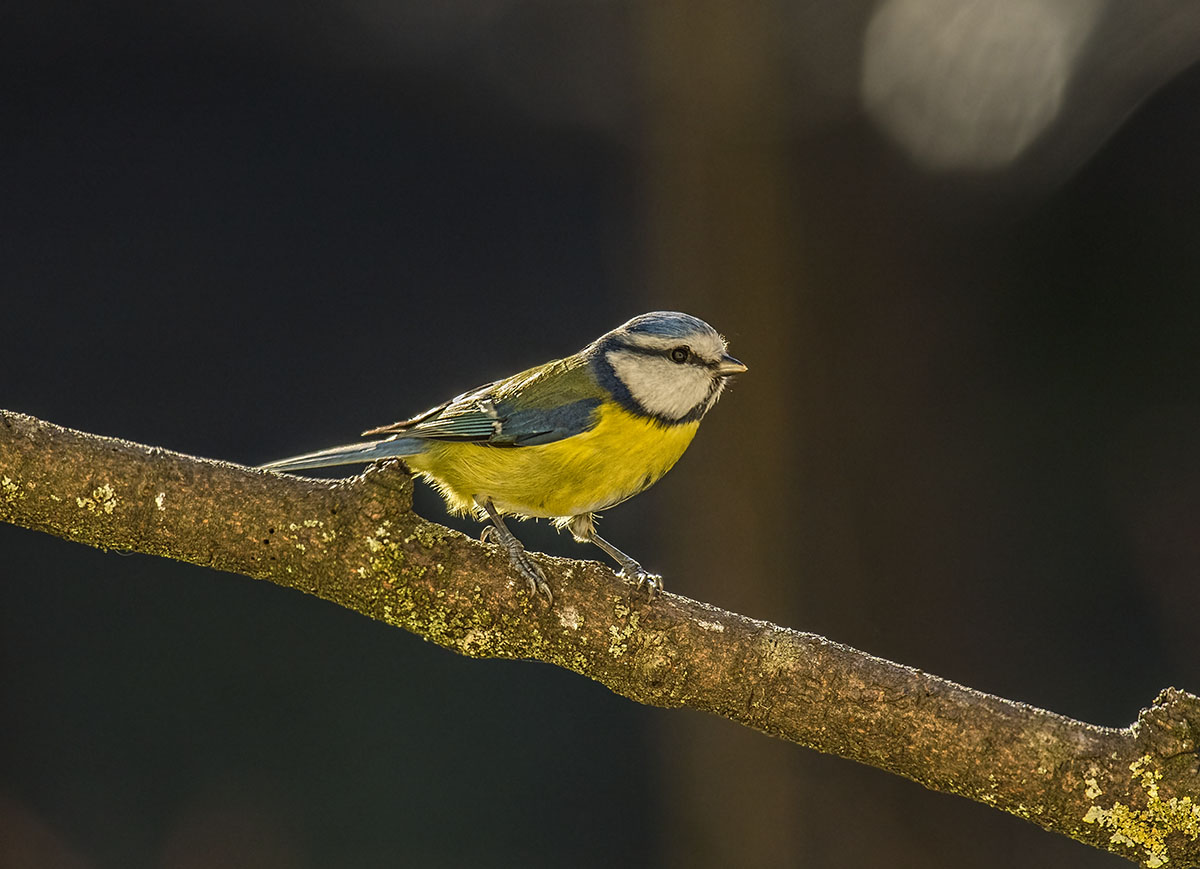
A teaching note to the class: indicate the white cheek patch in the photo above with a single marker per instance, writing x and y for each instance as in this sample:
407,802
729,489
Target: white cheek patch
662,387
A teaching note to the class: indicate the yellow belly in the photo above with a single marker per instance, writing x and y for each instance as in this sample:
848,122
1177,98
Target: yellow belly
619,457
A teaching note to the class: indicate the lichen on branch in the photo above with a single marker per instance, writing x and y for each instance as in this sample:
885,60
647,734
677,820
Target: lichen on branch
1133,791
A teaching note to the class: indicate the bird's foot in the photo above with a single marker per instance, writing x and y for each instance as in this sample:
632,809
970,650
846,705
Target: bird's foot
630,569
652,582
534,575
519,558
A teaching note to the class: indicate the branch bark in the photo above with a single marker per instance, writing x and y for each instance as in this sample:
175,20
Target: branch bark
1134,791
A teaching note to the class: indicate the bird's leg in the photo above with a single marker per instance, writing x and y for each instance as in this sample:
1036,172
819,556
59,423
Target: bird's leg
630,569
516,552
583,529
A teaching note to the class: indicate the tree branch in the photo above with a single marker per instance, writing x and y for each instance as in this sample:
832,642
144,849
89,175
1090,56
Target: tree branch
1133,791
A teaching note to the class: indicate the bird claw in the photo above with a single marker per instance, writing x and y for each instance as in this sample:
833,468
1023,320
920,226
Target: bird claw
534,575
543,589
517,555
652,582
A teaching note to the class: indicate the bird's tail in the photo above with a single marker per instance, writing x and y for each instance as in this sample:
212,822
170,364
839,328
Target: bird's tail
350,454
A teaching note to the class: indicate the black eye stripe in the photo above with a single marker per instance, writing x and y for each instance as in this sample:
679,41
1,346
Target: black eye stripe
665,352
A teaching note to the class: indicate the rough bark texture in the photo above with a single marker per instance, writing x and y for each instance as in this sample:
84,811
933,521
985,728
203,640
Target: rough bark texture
1133,791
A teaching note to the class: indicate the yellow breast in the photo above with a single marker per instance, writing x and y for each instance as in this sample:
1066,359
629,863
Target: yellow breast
619,457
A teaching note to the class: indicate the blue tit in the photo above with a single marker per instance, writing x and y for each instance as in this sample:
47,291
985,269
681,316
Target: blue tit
565,439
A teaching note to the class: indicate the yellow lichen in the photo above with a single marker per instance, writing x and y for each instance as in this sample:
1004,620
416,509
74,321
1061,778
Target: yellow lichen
619,634
102,500
11,489
1147,828
326,535
428,535
386,551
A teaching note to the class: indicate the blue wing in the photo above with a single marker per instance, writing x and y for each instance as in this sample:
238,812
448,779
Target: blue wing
525,410
525,428
478,417
539,406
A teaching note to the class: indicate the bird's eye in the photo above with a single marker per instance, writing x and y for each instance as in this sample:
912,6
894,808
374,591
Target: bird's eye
681,354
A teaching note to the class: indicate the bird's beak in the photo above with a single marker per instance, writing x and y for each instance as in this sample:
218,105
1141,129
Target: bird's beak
728,365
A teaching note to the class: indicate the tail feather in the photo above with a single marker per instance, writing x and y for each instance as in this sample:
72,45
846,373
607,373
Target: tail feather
349,454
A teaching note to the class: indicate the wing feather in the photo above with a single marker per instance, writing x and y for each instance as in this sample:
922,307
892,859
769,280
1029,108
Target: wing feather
538,406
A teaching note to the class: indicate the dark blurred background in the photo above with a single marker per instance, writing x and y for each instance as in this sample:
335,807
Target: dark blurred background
957,242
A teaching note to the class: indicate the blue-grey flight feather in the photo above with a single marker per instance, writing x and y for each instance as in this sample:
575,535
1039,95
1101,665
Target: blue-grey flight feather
490,415
350,454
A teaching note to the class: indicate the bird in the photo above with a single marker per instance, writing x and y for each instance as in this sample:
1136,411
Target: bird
564,440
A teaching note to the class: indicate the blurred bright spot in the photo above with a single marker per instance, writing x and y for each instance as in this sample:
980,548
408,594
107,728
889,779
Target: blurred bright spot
970,84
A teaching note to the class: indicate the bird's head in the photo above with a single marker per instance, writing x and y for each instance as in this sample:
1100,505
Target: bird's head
664,364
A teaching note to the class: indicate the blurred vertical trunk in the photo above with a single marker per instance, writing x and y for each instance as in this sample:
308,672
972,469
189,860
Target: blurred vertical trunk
719,233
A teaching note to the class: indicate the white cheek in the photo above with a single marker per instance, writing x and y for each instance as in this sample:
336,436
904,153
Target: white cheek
660,386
